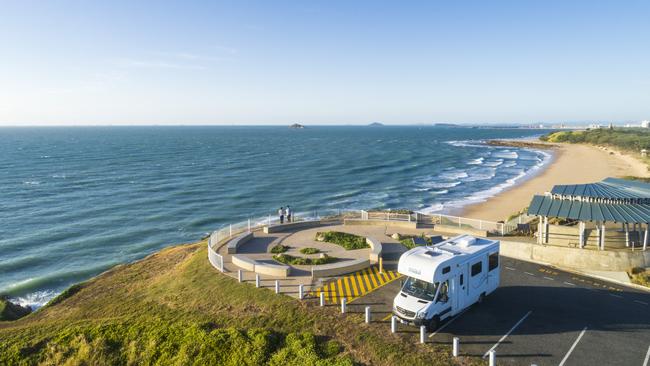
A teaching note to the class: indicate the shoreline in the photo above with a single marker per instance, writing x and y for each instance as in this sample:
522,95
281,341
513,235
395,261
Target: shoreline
569,164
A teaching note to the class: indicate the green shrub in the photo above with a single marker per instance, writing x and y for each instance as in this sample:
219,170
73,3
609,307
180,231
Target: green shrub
11,311
407,240
347,241
309,250
65,294
640,276
279,248
628,139
159,342
300,261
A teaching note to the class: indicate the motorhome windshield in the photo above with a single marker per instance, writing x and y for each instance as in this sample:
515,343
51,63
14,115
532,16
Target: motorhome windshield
420,289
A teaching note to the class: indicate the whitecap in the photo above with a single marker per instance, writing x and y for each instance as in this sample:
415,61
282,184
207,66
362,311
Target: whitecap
478,161
466,143
506,154
434,184
453,175
32,182
34,300
436,207
481,174
493,163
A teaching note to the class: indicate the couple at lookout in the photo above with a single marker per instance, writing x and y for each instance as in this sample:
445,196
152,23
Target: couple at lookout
285,212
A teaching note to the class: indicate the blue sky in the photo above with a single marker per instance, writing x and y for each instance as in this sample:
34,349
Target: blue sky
323,62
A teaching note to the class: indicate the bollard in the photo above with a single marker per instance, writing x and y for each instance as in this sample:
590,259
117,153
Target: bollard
393,324
344,302
240,276
493,358
257,280
454,349
322,299
423,334
367,314
277,286
301,291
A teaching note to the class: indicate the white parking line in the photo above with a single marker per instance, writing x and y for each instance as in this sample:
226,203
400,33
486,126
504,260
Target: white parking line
549,278
620,297
447,323
510,268
647,357
507,334
641,302
573,346
569,283
528,273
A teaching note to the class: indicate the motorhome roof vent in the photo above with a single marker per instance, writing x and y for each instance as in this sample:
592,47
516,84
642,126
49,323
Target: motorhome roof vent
432,252
466,241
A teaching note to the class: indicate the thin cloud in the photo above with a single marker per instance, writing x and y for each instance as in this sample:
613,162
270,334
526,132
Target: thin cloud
156,64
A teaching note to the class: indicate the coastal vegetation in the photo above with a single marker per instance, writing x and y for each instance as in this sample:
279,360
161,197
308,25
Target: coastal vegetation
522,144
300,261
279,248
173,307
640,276
347,241
309,251
11,311
627,139
407,240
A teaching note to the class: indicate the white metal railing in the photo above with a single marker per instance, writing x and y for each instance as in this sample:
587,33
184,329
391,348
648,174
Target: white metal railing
387,216
499,228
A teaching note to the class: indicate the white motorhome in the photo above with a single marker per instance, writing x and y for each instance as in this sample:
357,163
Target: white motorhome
443,279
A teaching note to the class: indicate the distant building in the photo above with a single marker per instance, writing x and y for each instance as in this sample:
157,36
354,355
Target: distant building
595,126
645,124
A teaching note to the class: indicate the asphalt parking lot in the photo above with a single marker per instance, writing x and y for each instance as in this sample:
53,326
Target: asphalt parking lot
543,316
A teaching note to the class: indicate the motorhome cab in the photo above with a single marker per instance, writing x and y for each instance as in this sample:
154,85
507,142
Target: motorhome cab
443,279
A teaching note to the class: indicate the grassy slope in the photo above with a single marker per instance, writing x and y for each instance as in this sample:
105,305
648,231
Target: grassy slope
174,308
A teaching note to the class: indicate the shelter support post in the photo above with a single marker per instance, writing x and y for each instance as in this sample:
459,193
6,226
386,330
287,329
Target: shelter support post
581,229
602,233
598,234
545,229
626,228
540,230
645,237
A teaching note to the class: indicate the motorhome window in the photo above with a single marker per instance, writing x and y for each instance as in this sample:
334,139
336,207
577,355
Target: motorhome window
493,261
477,268
462,279
443,295
420,289
446,270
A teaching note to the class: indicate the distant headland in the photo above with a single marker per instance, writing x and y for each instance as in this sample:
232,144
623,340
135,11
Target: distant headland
296,125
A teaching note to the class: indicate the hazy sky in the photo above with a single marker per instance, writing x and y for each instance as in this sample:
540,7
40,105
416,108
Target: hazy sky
320,62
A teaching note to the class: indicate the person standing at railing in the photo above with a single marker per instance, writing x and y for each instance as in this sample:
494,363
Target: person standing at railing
287,213
281,214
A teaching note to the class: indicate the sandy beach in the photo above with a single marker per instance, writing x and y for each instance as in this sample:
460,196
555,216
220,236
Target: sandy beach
571,164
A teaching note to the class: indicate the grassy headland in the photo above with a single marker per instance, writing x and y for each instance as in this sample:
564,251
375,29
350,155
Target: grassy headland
174,308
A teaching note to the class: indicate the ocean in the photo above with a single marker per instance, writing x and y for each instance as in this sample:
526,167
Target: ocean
75,201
